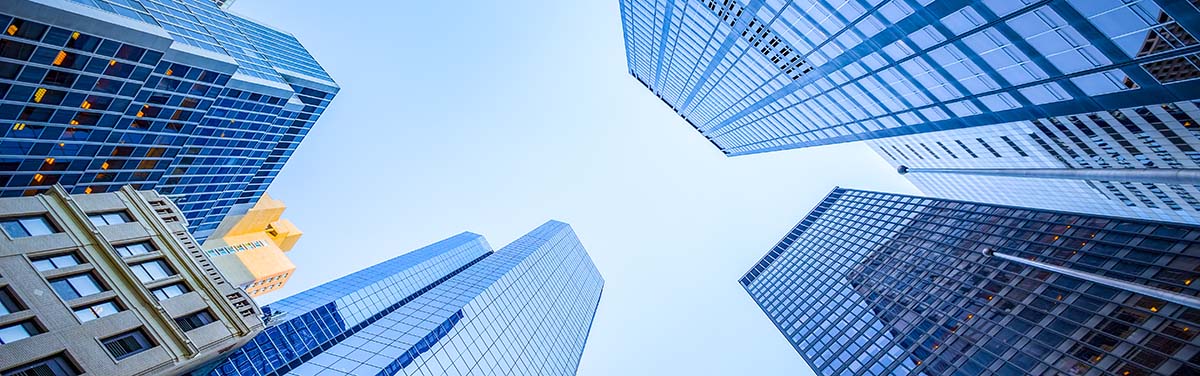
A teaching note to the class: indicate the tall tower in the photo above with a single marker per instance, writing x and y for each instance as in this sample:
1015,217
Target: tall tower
879,284
451,307
111,284
1138,163
249,246
173,95
756,76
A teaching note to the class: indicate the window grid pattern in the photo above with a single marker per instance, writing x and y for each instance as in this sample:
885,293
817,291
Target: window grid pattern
883,68
881,284
94,114
327,314
525,309
282,49
1155,137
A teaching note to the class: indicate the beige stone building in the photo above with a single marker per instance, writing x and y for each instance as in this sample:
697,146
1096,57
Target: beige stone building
111,284
249,247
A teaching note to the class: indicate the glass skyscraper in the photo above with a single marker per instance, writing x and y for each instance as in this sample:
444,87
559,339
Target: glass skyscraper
451,308
881,284
993,163
763,75
179,96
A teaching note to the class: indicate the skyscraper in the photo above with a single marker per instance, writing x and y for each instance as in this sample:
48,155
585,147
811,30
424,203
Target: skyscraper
881,284
1138,162
249,246
763,75
111,284
453,307
174,95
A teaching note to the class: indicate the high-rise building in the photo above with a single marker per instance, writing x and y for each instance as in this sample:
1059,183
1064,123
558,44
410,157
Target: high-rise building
111,284
453,307
881,284
1138,162
248,246
756,76
174,95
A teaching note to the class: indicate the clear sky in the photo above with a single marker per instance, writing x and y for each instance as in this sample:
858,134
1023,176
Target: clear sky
494,116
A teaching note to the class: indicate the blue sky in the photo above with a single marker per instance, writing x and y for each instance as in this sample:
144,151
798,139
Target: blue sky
493,117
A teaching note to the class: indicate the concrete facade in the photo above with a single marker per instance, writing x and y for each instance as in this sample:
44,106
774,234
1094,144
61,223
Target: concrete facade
63,328
249,247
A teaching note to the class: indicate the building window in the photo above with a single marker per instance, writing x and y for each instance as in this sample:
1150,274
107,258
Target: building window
170,291
18,331
27,226
125,345
110,218
56,365
71,287
8,303
55,262
134,249
1014,146
988,147
964,147
152,270
98,310
194,320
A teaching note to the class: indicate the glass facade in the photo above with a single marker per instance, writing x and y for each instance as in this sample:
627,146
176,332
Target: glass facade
763,75
1154,137
880,284
452,308
173,95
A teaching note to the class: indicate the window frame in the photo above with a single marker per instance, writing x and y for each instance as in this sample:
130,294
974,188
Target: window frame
9,302
102,218
145,275
139,337
21,222
91,310
195,320
149,246
183,288
58,364
30,326
54,265
67,278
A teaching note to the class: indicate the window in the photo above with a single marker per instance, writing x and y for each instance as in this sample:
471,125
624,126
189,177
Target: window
169,291
1014,146
110,218
194,320
129,250
152,270
71,287
125,345
18,331
55,262
988,147
8,304
27,226
56,365
98,310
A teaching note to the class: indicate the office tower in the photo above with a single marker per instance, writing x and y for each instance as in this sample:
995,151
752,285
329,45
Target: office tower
225,4
1137,162
111,284
174,95
453,307
756,76
881,284
248,246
